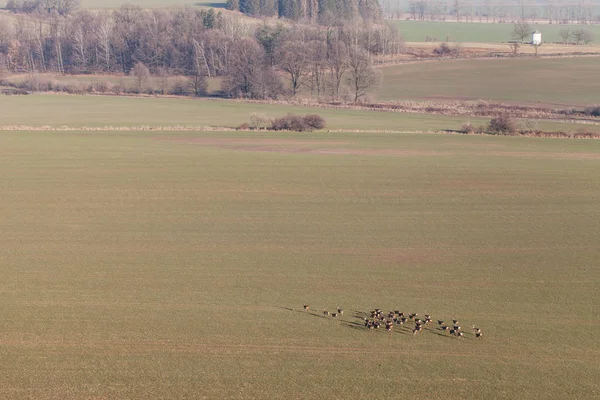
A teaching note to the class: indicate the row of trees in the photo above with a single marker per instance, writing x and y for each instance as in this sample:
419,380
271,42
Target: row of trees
61,7
311,10
555,11
523,30
334,63
253,59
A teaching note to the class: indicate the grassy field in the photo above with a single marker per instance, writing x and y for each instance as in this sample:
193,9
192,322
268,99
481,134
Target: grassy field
99,111
415,31
124,81
175,265
559,82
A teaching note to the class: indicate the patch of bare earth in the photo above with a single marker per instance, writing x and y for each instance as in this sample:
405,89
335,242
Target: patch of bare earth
548,155
318,147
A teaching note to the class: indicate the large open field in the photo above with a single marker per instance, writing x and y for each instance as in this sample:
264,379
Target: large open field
555,82
175,265
415,31
109,111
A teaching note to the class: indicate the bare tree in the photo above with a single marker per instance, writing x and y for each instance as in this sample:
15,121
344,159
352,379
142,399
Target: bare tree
141,74
457,9
199,84
564,34
337,61
103,37
65,7
514,47
318,65
162,80
361,75
293,59
582,35
521,30
248,74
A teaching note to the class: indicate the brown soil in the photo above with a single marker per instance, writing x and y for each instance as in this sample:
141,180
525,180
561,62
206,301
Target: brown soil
298,146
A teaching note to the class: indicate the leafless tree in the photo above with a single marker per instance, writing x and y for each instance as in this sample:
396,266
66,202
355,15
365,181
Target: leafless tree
293,59
65,7
582,35
457,9
337,62
248,75
103,33
162,80
141,73
564,34
318,66
362,77
521,30
514,47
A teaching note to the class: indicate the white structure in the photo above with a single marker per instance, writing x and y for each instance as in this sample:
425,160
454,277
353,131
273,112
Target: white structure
536,38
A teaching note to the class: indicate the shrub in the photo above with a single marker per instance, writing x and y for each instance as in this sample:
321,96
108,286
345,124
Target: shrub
443,49
243,127
102,87
468,128
593,111
290,122
76,88
180,87
502,124
258,122
314,121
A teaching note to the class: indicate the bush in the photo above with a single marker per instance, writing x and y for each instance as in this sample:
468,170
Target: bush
179,87
297,123
259,122
102,87
290,122
76,88
593,111
502,124
444,49
314,121
468,128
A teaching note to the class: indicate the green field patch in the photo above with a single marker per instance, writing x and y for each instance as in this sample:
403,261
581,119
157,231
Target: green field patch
416,31
175,264
57,111
554,82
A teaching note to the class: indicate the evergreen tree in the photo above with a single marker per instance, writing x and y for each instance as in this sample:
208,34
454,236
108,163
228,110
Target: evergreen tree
250,7
233,5
290,9
269,8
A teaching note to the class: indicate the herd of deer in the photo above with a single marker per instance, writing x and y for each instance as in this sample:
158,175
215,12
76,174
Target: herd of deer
380,319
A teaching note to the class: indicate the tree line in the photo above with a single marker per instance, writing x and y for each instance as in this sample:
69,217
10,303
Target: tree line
504,11
311,10
256,60
61,7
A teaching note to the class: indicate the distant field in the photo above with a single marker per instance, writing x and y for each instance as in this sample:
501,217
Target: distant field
564,82
98,111
175,265
414,31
